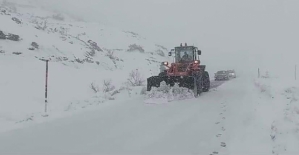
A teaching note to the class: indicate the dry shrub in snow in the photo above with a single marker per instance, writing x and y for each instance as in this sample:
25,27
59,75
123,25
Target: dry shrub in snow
134,47
135,78
160,52
94,46
162,47
79,60
88,60
91,53
18,21
41,25
115,92
94,87
35,45
109,90
110,55
17,53
107,86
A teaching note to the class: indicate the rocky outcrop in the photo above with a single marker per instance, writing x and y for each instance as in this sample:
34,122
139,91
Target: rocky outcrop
2,35
94,46
135,47
35,45
12,37
18,21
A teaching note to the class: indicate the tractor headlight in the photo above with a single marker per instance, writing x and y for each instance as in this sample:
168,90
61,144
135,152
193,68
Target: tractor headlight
196,62
165,63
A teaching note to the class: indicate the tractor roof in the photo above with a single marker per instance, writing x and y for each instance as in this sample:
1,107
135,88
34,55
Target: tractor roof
185,47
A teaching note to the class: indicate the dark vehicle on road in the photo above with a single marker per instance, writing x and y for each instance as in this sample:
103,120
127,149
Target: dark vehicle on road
232,74
221,75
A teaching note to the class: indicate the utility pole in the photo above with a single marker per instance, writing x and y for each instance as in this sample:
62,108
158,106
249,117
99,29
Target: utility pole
258,72
46,86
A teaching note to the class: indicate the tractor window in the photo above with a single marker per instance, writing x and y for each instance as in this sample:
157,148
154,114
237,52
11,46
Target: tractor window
184,55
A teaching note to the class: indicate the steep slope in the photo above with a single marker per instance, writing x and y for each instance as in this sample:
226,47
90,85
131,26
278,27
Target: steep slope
231,34
81,57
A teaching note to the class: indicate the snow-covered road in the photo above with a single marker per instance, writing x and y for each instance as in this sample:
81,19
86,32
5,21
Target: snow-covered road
221,121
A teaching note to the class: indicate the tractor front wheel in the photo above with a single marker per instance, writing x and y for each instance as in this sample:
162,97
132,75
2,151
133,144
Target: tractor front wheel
197,83
195,90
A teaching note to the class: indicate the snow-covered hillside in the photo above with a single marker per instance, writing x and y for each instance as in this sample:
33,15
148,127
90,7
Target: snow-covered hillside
82,56
243,35
96,97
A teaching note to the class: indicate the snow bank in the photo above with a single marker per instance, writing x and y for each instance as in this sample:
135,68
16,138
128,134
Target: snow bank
279,108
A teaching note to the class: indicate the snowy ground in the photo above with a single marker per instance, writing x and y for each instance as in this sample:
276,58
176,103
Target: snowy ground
239,117
278,107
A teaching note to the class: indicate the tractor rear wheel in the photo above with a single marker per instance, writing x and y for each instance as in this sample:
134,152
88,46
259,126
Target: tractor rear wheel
206,82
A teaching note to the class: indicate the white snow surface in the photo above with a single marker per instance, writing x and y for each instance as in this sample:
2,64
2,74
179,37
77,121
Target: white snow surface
246,115
239,117
74,64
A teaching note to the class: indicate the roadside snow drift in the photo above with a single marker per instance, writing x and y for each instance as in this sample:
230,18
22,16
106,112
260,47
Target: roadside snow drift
279,109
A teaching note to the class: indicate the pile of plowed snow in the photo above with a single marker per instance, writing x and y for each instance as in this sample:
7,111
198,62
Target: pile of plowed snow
165,93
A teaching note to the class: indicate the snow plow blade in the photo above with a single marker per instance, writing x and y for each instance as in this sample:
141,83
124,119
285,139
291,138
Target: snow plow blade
183,81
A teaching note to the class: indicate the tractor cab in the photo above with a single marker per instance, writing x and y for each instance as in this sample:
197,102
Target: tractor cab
185,54
184,58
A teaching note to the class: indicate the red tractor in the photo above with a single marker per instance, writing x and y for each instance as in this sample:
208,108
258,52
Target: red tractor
187,71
